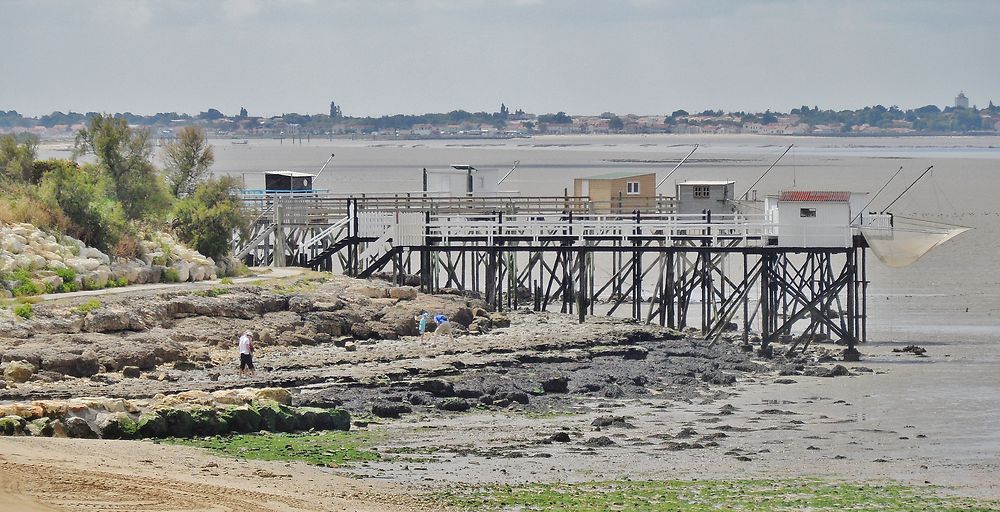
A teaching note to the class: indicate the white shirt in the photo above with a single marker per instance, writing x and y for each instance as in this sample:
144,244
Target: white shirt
245,344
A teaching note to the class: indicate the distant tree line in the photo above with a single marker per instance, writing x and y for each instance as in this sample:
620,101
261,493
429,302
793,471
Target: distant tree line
929,118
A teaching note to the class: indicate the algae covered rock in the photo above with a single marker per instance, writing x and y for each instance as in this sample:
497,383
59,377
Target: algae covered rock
12,425
41,427
454,404
276,417
151,424
207,422
179,422
116,425
241,419
323,419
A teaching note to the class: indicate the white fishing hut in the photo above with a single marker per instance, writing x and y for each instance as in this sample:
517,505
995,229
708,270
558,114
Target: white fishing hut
460,180
806,218
698,197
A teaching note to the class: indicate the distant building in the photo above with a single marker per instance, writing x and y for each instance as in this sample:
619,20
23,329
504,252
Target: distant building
961,101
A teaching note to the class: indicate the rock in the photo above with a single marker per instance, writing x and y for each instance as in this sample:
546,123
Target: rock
78,427
280,395
276,417
454,404
131,372
635,353
18,371
913,349
499,320
106,320
178,422
436,387
559,384
718,378
559,437
599,442
12,425
206,421
68,363
480,325
350,346
116,425
390,410
242,419
372,292
403,293
316,418
41,427
151,425
463,317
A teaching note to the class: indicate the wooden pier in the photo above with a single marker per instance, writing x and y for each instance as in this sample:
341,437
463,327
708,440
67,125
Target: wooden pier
717,273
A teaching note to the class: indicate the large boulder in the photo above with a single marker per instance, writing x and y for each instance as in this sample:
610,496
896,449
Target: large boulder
276,417
208,422
83,364
179,422
41,427
243,419
151,424
78,427
390,409
12,425
323,419
18,371
280,395
116,425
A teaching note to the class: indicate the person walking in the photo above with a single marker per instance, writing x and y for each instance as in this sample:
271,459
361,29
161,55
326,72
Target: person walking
246,355
443,326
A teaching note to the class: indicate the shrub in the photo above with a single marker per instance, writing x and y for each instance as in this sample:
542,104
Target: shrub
208,218
90,284
226,280
69,287
67,274
117,282
88,306
23,284
170,275
23,310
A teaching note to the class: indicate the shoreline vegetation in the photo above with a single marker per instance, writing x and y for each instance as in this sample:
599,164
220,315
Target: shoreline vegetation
68,226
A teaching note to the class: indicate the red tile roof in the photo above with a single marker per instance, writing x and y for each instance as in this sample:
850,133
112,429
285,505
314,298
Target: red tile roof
815,196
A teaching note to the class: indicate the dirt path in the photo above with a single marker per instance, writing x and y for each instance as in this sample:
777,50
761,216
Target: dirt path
38,474
263,274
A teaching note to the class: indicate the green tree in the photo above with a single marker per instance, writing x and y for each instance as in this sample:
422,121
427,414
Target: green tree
124,153
208,218
78,191
17,157
188,160
616,124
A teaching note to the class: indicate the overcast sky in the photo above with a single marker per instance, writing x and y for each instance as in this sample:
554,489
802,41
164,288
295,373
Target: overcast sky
377,57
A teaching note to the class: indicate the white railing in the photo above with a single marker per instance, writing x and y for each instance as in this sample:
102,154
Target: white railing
750,229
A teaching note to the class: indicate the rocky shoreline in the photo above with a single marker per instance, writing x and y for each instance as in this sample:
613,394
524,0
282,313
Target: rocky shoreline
334,343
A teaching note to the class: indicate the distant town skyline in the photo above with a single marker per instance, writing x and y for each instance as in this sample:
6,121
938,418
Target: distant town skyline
419,56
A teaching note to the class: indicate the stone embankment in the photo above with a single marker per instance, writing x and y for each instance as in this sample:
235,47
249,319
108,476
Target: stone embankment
191,413
33,261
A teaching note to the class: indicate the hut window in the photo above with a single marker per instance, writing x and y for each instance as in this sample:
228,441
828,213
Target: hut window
632,187
807,212
702,192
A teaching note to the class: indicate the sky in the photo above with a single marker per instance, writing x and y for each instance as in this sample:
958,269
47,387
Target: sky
377,57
